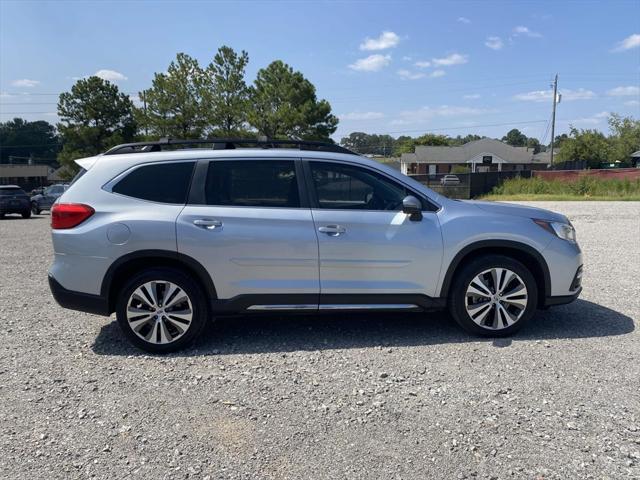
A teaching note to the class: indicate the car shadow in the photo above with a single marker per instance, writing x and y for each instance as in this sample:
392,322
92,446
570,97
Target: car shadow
290,333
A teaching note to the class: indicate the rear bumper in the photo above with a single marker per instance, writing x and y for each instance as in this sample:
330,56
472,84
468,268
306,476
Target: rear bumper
562,300
83,302
22,207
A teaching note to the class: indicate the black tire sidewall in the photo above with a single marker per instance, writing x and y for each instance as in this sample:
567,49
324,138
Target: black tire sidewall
457,298
186,283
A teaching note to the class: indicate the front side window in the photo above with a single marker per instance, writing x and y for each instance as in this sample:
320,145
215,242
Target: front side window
348,187
252,183
160,182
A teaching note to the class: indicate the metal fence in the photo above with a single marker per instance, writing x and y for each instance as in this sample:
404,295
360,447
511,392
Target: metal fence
468,185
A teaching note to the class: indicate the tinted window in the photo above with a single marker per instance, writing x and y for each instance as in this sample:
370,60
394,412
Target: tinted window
252,183
162,182
12,191
348,187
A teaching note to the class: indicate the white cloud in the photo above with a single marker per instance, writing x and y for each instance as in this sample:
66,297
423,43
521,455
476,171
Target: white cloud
361,116
109,75
422,64
494,43
631,91
464,20
438,73
592,120
407,58
423,114
6,95
408,75
632,41
384,41
632,103
524,31
453,59
547,95
25,83
372,63
473,96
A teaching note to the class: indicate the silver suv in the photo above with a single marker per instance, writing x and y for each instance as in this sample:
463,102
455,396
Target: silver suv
168,237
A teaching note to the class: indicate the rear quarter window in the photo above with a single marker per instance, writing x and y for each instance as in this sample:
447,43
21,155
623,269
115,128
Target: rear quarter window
160,182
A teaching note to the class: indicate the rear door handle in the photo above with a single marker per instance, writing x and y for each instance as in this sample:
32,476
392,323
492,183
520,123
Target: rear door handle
208,223
332,230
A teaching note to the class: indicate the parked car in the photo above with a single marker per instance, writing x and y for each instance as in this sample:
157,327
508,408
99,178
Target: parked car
165,239
450,180
47,198
14,200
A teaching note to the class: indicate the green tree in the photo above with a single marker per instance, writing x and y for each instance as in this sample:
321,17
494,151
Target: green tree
430,139
367,144
591,146
174,105
225,93
94,116
625,138
458,140
515,138
284,104
534,143
20,138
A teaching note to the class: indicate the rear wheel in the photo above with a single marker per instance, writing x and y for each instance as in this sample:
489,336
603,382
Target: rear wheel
493,296
161,310
26,214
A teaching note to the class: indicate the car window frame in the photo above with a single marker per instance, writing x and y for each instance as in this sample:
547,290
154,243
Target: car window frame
197,195
428,206
108,187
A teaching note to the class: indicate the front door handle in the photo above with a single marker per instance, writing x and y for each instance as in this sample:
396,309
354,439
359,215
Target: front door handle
332,230
208,223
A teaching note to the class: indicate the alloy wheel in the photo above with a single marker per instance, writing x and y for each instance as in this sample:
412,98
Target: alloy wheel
496,298
159,312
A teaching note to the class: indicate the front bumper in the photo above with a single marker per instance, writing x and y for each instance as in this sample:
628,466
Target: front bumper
561,300
83,302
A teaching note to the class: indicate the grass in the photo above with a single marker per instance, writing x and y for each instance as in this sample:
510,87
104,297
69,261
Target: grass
585,188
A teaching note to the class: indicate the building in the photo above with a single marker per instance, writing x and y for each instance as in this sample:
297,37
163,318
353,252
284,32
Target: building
28,176
635,159
484,155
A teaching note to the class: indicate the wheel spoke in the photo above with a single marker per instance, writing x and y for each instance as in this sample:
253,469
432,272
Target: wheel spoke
178,298
138,323
182,325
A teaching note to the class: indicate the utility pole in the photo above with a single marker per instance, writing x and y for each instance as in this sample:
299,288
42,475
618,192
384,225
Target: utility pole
146,119
553,115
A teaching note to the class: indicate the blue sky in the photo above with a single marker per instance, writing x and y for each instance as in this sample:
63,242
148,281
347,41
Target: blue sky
385,67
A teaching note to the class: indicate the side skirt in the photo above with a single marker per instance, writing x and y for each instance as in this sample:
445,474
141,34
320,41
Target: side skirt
297,303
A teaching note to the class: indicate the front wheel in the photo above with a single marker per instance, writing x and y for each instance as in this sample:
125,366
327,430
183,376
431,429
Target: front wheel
161,310
34,208
26,214
493,296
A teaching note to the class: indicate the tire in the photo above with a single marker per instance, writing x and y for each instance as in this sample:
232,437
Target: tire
474,307
34,208
26,214
167,327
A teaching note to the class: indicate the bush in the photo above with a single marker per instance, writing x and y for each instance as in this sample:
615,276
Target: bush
585,186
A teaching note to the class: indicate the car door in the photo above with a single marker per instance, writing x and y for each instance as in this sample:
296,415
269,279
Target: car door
367,245
249,226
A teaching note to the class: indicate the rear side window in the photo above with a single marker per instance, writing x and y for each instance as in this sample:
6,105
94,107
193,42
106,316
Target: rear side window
252,183
160,182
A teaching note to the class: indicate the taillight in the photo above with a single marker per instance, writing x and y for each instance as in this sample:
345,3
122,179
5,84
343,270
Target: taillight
69,215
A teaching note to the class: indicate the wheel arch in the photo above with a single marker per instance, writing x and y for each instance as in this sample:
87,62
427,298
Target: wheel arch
128,264
522,252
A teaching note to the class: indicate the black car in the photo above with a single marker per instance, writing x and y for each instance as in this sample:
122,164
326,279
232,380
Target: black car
44,200
14,200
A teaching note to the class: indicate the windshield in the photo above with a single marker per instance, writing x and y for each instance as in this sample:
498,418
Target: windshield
12,191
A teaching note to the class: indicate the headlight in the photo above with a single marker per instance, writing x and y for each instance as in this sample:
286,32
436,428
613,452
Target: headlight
563,230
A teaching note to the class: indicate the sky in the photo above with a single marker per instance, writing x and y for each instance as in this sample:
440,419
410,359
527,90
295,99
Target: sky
402,68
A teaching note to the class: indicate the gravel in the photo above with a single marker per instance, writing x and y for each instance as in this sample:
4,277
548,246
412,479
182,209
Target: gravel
344,396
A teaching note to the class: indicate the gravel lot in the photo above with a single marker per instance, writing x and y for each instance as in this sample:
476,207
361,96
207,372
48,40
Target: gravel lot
349,396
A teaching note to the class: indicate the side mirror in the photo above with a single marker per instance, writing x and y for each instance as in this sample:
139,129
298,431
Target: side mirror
412,207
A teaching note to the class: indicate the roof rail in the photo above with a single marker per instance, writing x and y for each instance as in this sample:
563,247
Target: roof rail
225,144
